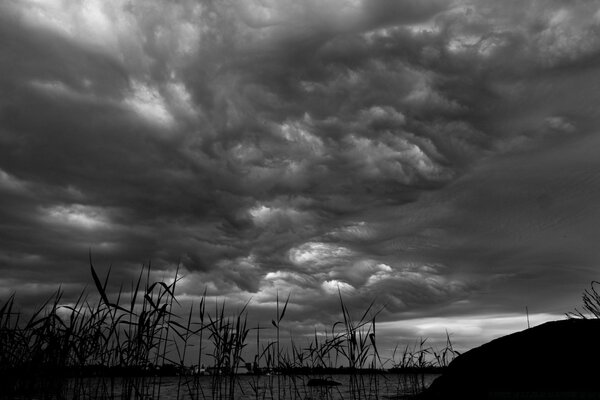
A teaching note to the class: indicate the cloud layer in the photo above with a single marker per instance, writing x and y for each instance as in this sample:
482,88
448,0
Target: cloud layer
438,156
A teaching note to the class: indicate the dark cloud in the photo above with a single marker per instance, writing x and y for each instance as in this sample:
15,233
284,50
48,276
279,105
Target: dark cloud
436,156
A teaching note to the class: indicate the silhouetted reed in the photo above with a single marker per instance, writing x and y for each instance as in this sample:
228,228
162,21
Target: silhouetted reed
124,344
591,303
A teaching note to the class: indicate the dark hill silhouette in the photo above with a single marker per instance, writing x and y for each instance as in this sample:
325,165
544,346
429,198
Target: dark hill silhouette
558,358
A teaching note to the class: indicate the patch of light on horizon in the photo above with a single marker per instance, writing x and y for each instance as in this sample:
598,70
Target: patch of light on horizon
467,327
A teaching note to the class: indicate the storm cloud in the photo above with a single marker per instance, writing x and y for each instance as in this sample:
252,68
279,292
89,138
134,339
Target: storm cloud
438,156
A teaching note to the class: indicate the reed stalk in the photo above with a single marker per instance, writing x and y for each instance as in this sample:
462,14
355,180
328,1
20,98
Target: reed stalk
147,332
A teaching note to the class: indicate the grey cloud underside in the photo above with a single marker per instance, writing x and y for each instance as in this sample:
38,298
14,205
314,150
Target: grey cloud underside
400,149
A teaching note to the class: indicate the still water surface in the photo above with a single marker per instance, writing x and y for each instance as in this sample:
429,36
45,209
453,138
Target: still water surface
248,387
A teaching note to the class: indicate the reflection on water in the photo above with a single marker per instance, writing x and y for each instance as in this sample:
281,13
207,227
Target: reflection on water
247,387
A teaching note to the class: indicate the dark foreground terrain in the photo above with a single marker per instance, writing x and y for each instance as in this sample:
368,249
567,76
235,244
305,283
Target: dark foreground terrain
556,360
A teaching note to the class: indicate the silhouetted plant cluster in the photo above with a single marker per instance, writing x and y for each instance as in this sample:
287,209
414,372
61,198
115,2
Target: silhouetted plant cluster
138,334
591,303
420,356
99,333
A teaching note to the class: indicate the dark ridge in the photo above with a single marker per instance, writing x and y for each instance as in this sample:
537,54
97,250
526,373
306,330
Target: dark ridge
553,360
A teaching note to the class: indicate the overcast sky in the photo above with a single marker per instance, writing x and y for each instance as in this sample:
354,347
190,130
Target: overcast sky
440,157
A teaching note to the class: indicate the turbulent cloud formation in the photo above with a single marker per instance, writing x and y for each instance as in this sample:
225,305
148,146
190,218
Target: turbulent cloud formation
439,156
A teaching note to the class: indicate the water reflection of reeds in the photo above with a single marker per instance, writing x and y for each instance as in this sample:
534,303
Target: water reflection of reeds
247,387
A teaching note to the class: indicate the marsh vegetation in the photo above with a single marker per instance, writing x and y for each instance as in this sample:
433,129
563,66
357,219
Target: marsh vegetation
138,345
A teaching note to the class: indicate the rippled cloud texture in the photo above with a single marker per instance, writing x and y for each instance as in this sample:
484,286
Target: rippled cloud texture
440,157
